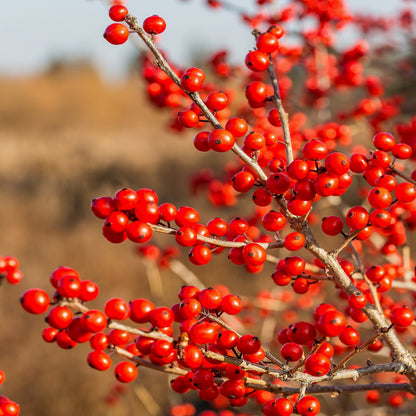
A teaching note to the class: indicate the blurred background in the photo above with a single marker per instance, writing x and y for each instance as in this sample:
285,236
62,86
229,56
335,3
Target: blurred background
75,125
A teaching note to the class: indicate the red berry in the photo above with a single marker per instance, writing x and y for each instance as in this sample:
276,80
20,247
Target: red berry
357,217
349,336
117,13
402,316
254,254
59,317
278,183
220,140
231,304
317,364
237,126
267,43
116,308
210,298
200,255
276,30
332,323
332,225
93,321
294,241
116,34
154,25
248,344
384,141
192,81
217,101
337,163
315,150
308,406
257,61
161,317
35,301
125,371
291,351
99,360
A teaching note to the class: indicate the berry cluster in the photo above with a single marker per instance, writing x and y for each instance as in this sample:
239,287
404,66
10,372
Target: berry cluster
7,407
9,270
360,291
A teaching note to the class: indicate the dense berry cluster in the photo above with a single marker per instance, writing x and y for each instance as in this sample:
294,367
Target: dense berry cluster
331,218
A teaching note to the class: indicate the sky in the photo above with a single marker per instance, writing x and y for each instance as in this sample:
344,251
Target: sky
34,33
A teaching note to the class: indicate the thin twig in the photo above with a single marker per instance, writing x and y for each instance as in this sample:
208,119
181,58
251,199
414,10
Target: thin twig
284,117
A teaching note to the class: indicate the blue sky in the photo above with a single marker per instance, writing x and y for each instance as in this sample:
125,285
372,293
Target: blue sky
34,32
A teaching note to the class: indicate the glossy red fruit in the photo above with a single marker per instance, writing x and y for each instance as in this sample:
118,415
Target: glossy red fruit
357,218
298,169
237,126
254,254
116,308
217,101
402,151
99,360
384,141
274,221
116,34
291,351
243,181
93,321
294,241
379,198
140,310
254,141
59,317
248,344
267,43
405,192
402,316
192,81
278,407
125,372
317,364
315,150
210,298
326,184
332,225
337,163
257,61
35,301
301,332
200,255
278,183
231,304
154,25
308,406
117,12
192,356
161,317
203,333
276,30
102,207
349,336
256,92
220,140
332,323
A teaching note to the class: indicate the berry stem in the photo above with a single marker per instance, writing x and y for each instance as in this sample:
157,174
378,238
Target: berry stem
283,115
